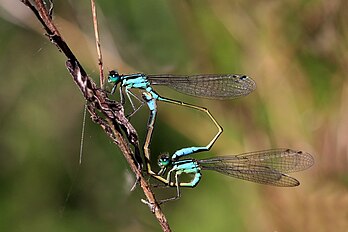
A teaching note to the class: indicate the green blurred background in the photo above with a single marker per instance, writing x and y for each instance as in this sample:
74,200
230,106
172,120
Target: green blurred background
296,51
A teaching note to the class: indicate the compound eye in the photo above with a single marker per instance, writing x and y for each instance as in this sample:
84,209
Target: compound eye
113,77
163,161
113,73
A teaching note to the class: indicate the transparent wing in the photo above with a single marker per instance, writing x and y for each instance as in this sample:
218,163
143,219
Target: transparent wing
282,160
207,86
264,167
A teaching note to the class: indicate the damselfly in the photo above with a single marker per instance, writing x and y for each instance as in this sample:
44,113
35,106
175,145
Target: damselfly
207,86
264,167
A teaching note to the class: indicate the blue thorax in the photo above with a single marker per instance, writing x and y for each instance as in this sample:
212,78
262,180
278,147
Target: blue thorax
137,80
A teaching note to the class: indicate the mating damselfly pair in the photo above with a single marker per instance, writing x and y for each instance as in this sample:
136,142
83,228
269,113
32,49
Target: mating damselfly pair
265,167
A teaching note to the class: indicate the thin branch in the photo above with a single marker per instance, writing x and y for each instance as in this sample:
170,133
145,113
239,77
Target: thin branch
111,114
97,42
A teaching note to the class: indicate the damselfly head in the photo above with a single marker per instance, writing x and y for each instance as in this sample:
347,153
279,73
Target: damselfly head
114,77
164,160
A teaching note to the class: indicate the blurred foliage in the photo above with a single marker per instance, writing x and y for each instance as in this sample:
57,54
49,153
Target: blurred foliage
295,50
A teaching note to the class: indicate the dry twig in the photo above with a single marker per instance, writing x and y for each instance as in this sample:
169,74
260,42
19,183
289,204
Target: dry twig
97,43
105,112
